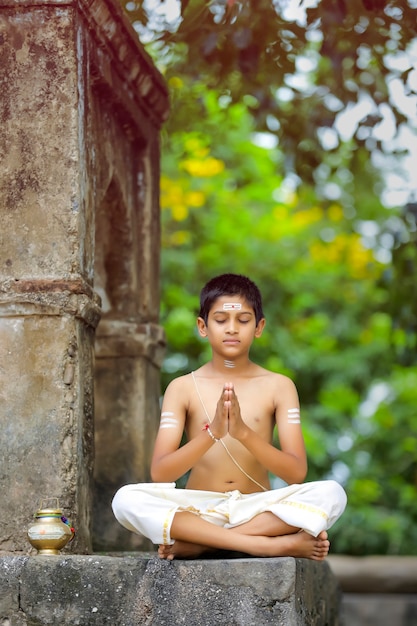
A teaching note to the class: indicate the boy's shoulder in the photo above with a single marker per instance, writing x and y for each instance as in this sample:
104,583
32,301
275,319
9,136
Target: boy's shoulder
180,382
275,377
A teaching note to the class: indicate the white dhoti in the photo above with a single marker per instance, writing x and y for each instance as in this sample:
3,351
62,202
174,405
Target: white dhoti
149,508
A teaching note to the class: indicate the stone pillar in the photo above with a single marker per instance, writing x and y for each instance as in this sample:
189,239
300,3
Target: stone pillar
81,108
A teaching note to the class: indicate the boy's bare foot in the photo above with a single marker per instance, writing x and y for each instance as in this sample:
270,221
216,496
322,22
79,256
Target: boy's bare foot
301,545
182,550
297,545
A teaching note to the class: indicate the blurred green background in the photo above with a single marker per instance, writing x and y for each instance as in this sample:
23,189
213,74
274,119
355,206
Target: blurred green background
288,157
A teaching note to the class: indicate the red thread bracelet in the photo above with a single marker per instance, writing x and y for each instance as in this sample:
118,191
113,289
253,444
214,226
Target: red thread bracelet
208,429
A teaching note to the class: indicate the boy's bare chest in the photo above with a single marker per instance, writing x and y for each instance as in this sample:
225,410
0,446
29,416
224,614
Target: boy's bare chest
256,408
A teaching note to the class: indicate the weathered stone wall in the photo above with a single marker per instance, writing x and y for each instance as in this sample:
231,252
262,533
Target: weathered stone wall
81,108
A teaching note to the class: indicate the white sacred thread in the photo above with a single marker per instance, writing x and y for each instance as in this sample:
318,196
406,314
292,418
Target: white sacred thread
167,421
232,306
229,363
294,416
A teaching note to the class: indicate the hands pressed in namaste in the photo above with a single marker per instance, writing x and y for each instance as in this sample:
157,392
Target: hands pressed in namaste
228,419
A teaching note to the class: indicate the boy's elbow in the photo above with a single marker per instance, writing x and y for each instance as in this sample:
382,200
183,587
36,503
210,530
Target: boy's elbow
302,473
155,472
299,474
155,475
159,475
296,478
302,477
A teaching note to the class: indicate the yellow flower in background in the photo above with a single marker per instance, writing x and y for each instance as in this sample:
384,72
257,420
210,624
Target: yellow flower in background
195,198
307,216
179,212
171,193
179,238
288,222
359,258
175,197
335,213
175,82
206,167
193,146
346,250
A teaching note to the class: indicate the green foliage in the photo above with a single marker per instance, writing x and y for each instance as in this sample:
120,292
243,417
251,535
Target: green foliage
299,70
383,494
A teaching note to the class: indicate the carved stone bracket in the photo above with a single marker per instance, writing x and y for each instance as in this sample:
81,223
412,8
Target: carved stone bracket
50,297
128,339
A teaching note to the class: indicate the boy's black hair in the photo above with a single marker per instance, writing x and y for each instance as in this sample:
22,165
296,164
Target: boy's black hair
230,285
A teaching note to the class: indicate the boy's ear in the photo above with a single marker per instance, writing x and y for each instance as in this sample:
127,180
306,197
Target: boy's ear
260,327
202,328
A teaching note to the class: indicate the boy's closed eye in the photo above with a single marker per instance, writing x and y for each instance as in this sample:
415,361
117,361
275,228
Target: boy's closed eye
241,321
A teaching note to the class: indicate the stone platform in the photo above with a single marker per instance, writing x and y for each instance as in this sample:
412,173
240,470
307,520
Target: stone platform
377,590
144,590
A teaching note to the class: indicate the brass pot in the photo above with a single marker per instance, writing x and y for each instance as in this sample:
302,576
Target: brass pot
50,531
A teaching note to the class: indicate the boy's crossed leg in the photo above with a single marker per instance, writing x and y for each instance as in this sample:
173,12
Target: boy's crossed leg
263,536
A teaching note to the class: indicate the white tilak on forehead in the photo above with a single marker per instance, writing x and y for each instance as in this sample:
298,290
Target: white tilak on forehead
168,420
232,306
294,416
